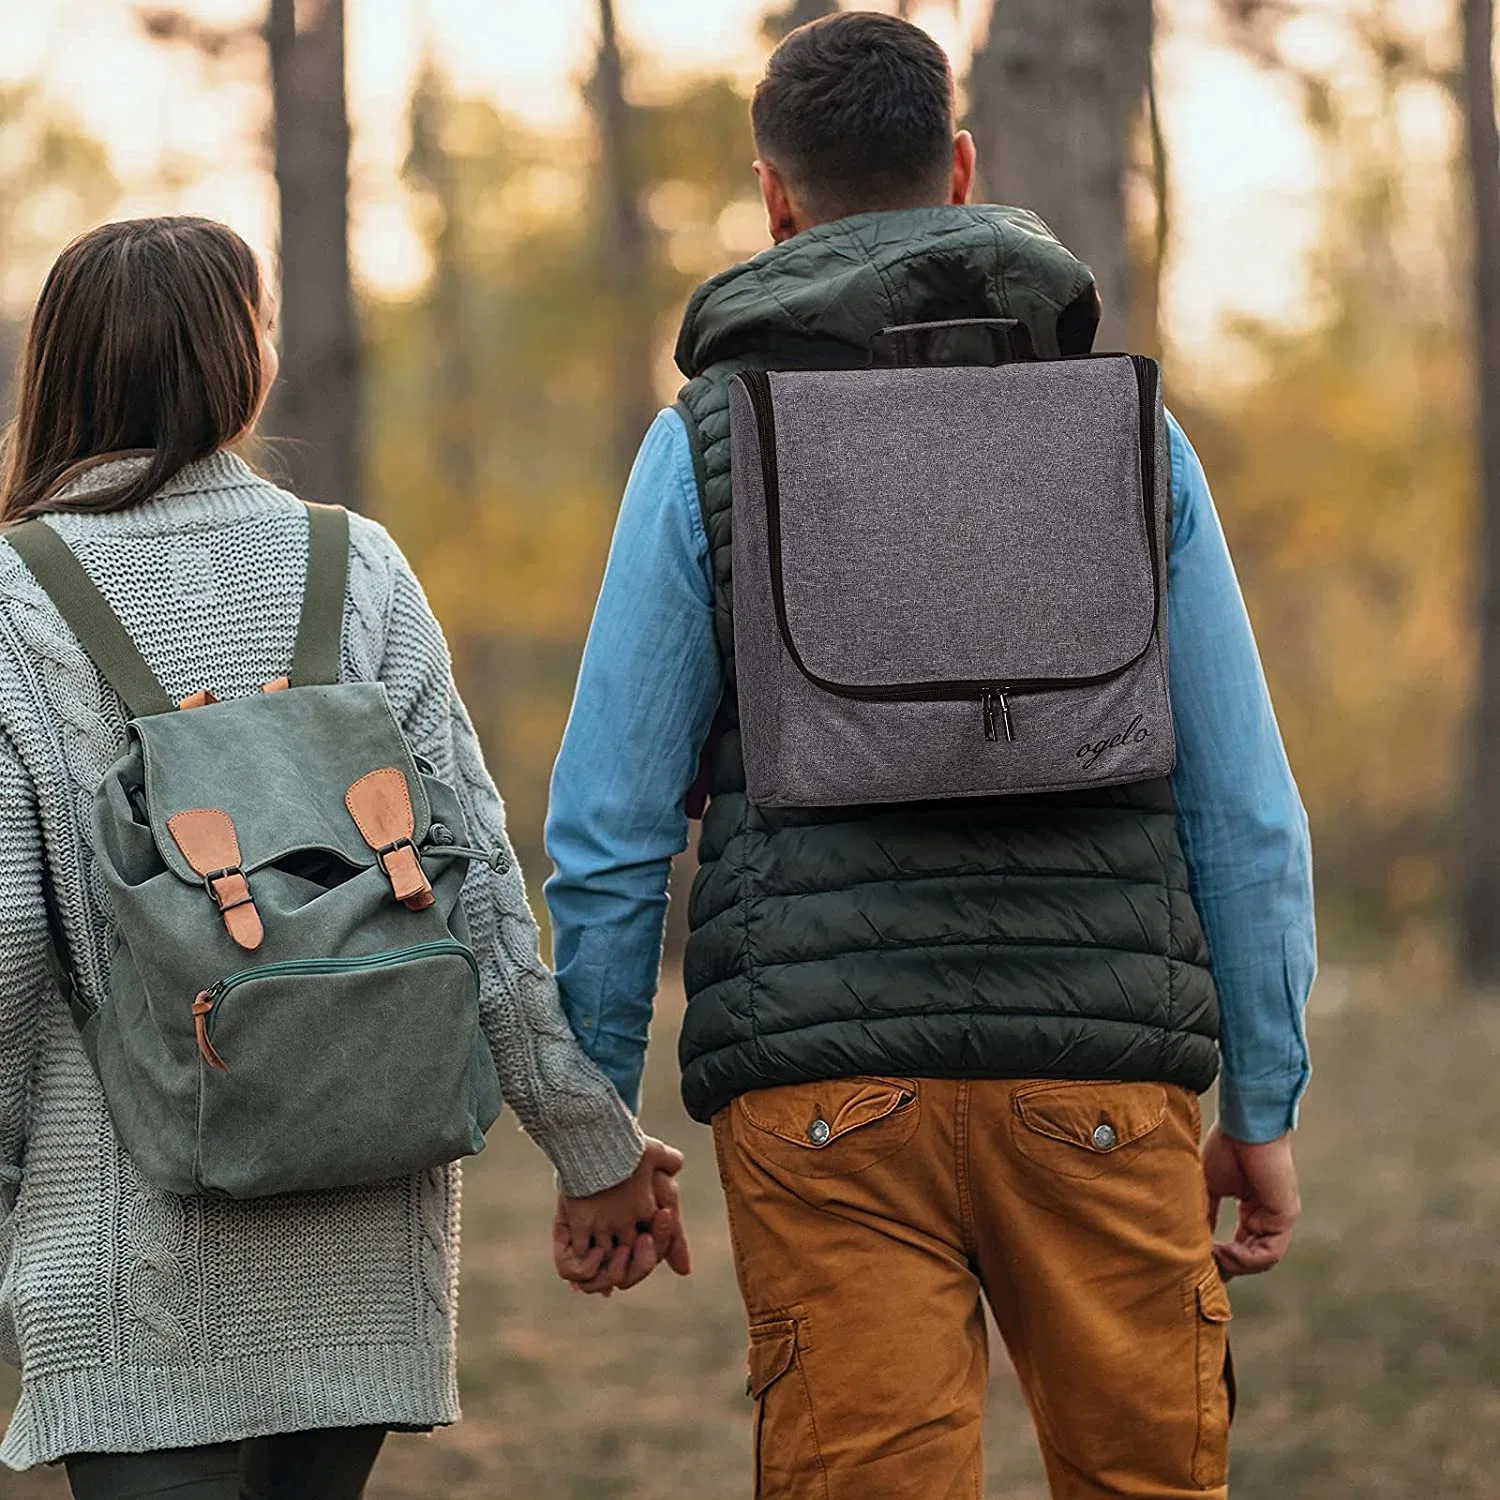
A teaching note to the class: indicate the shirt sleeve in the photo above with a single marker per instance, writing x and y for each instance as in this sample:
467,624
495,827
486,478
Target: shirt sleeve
649,684
1243,826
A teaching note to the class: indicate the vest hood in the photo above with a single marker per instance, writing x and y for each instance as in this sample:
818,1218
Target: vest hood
839,284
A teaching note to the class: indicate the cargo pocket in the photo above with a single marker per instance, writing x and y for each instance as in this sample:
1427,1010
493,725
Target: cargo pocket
1085,1129
828,1129
1215,1383
788,1461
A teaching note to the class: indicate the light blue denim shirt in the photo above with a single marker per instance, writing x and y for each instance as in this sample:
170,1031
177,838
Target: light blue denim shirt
647,690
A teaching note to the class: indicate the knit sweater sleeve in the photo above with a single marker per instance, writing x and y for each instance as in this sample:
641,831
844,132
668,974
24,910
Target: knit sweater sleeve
24,967
567,1106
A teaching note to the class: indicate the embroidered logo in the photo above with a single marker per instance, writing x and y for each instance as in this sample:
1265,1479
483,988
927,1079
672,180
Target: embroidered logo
1091,751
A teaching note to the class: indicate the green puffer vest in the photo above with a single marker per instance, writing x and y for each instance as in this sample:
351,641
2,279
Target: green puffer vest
1045,937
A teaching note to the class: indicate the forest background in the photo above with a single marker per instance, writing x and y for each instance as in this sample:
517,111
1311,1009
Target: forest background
478,319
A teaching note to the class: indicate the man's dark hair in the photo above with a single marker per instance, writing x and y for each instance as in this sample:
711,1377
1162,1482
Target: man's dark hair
856,112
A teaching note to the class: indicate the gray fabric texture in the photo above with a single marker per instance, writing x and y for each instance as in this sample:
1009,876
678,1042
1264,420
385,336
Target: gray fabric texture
141,1319
921,548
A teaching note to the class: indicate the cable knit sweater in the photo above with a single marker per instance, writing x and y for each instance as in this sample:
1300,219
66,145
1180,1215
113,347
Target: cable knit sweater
141,1320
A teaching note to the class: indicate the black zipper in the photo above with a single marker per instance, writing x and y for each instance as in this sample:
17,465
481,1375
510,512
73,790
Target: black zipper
994,697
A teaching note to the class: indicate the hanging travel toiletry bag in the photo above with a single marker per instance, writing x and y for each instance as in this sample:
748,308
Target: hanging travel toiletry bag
950,579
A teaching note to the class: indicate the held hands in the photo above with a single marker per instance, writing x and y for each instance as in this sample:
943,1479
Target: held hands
1264,1179
613,1240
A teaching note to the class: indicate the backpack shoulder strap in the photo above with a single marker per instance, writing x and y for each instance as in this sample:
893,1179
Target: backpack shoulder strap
320,634
90,618
108,644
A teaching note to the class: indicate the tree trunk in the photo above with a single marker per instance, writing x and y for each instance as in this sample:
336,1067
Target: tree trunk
1057,96
317,401
625,251
431,167
1481,898
794,13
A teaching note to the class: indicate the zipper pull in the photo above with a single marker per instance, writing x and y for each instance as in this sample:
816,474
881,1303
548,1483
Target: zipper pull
996,702
202,1008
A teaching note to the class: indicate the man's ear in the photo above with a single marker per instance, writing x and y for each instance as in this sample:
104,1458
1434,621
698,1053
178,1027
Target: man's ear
783,216
965,155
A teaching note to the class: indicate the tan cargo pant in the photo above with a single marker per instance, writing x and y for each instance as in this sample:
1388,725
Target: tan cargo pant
871,1215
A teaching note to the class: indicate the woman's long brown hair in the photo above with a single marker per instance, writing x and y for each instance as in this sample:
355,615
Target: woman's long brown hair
146,341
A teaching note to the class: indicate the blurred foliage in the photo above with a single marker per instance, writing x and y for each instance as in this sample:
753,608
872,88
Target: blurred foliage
54,181
502,484
1345,473
1339,451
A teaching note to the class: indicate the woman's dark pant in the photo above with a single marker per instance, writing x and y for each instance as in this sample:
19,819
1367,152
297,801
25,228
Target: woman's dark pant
322,1465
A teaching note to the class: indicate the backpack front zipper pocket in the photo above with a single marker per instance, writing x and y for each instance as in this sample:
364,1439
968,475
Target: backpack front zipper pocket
338,1071
207,1002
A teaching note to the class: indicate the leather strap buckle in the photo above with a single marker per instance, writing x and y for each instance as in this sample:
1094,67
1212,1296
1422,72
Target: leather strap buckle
386,850
380,805
209,843
233,896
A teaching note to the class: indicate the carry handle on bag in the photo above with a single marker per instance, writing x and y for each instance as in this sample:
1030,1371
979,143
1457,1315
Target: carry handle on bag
950,572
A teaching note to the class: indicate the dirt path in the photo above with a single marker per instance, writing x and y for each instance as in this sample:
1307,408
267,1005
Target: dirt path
1369,1366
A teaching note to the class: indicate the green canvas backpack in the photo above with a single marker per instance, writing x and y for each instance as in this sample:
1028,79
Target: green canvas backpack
293,1003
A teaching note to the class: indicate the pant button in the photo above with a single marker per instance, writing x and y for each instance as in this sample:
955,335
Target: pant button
819,1132
1105,1138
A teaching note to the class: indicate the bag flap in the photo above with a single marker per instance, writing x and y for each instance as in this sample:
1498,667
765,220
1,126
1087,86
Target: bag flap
964,525
279,764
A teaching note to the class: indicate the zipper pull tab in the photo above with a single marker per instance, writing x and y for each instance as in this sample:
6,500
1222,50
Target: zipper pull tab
203,1006
997,712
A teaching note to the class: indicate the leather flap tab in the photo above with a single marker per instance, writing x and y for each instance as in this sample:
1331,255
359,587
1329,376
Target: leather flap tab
208,841
380,805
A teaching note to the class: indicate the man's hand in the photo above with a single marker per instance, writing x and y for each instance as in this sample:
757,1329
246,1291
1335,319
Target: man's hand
615,1239
1264,1179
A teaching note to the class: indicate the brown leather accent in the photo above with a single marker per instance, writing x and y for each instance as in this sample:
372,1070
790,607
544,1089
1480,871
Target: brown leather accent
201,699
280,685
202,1007
380,805
210,845
408,879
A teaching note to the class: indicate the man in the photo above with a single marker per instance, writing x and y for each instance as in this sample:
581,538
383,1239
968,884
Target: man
950,1052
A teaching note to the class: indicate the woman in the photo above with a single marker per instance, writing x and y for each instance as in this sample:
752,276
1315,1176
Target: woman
194,1346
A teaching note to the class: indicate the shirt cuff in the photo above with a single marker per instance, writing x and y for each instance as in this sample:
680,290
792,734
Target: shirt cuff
623,1063
1260,1112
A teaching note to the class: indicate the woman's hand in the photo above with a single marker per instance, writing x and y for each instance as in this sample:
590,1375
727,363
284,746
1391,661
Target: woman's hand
615,1239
